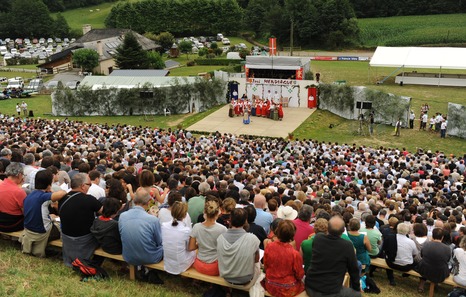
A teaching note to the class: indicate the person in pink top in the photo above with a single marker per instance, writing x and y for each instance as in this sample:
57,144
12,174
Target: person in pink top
303,225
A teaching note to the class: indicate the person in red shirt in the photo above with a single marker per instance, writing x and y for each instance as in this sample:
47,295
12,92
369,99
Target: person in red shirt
11,204
283,264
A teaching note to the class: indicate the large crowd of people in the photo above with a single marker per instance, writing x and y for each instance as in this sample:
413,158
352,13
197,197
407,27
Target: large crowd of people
161,194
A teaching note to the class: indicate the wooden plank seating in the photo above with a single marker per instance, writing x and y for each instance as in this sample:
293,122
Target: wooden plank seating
379,262
190,273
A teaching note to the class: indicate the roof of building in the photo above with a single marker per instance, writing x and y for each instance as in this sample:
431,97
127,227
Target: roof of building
128,82
419,57
139,72
276,62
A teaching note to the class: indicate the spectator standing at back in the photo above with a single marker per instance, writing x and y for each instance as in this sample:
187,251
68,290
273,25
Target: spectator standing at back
77,213
12,199
412,116
141,236
38,223
24,108
332,257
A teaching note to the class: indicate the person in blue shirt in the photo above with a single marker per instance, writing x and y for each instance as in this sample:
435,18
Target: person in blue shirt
38,223
141,236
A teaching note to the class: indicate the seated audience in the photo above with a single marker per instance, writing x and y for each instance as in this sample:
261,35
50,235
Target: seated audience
77,213
238,252
39,228
204,238
460,255
12,199
332,258
105,228
320,226
175,238
283,265
141,237
253,228
435,258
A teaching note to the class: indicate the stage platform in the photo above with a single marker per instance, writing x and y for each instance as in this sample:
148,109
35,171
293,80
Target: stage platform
221,122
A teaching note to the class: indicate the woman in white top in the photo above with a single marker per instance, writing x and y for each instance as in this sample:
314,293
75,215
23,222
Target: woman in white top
175,238
165,214
204,236
460,255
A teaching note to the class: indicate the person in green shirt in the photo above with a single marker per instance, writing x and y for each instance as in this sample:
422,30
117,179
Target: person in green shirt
374,235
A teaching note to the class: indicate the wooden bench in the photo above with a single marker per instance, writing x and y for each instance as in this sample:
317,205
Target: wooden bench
190,273
380,262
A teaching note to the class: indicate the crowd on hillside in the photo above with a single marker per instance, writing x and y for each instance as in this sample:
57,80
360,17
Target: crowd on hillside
161,194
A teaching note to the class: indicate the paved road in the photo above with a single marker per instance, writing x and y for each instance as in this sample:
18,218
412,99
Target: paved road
355,53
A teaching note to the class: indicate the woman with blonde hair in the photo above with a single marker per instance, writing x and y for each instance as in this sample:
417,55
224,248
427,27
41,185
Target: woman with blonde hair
204,238
175,237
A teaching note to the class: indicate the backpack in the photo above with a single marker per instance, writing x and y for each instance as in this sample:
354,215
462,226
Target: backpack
89,270
371,286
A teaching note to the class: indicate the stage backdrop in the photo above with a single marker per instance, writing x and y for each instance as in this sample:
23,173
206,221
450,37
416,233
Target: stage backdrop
292,91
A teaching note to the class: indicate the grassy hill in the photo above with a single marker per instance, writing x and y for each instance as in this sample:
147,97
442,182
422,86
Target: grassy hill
414,30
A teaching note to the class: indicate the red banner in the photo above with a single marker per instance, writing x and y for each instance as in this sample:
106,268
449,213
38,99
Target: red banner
272,46
299,74
312,97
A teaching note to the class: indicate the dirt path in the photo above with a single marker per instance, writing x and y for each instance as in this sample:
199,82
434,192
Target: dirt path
178,121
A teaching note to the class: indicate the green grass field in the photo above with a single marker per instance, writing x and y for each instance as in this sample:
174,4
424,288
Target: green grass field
413,30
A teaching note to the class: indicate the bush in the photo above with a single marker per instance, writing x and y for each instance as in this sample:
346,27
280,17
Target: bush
210,56
309,75
190,63
202,52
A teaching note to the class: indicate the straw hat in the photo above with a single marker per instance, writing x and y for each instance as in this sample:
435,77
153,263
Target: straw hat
287,213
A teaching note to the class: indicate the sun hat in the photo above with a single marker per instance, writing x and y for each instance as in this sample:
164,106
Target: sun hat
287,213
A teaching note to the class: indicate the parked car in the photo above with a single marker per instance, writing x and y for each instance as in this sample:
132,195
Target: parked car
16,83
226,41
3,50
219,37
73,85
52,85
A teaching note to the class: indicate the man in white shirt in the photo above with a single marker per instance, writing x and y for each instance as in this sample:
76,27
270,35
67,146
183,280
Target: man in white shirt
95,190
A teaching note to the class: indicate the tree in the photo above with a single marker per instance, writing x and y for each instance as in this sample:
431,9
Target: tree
155,60
62,29
30,18
130,54
166,40
86,58
185,47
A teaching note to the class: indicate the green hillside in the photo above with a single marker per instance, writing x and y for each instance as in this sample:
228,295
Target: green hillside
93,15
414,30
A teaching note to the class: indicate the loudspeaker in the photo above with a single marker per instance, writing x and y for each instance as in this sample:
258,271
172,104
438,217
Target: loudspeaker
363,105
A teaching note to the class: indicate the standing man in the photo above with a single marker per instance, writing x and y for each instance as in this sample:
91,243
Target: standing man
276,98
238,252
77,213
398,127
412,116
12,199
443,128
332,257
141,235
24,108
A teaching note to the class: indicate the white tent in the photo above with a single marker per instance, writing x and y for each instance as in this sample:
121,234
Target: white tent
419,57
422,58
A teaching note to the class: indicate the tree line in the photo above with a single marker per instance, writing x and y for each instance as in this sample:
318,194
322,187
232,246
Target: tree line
31,18
56,5
328,23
